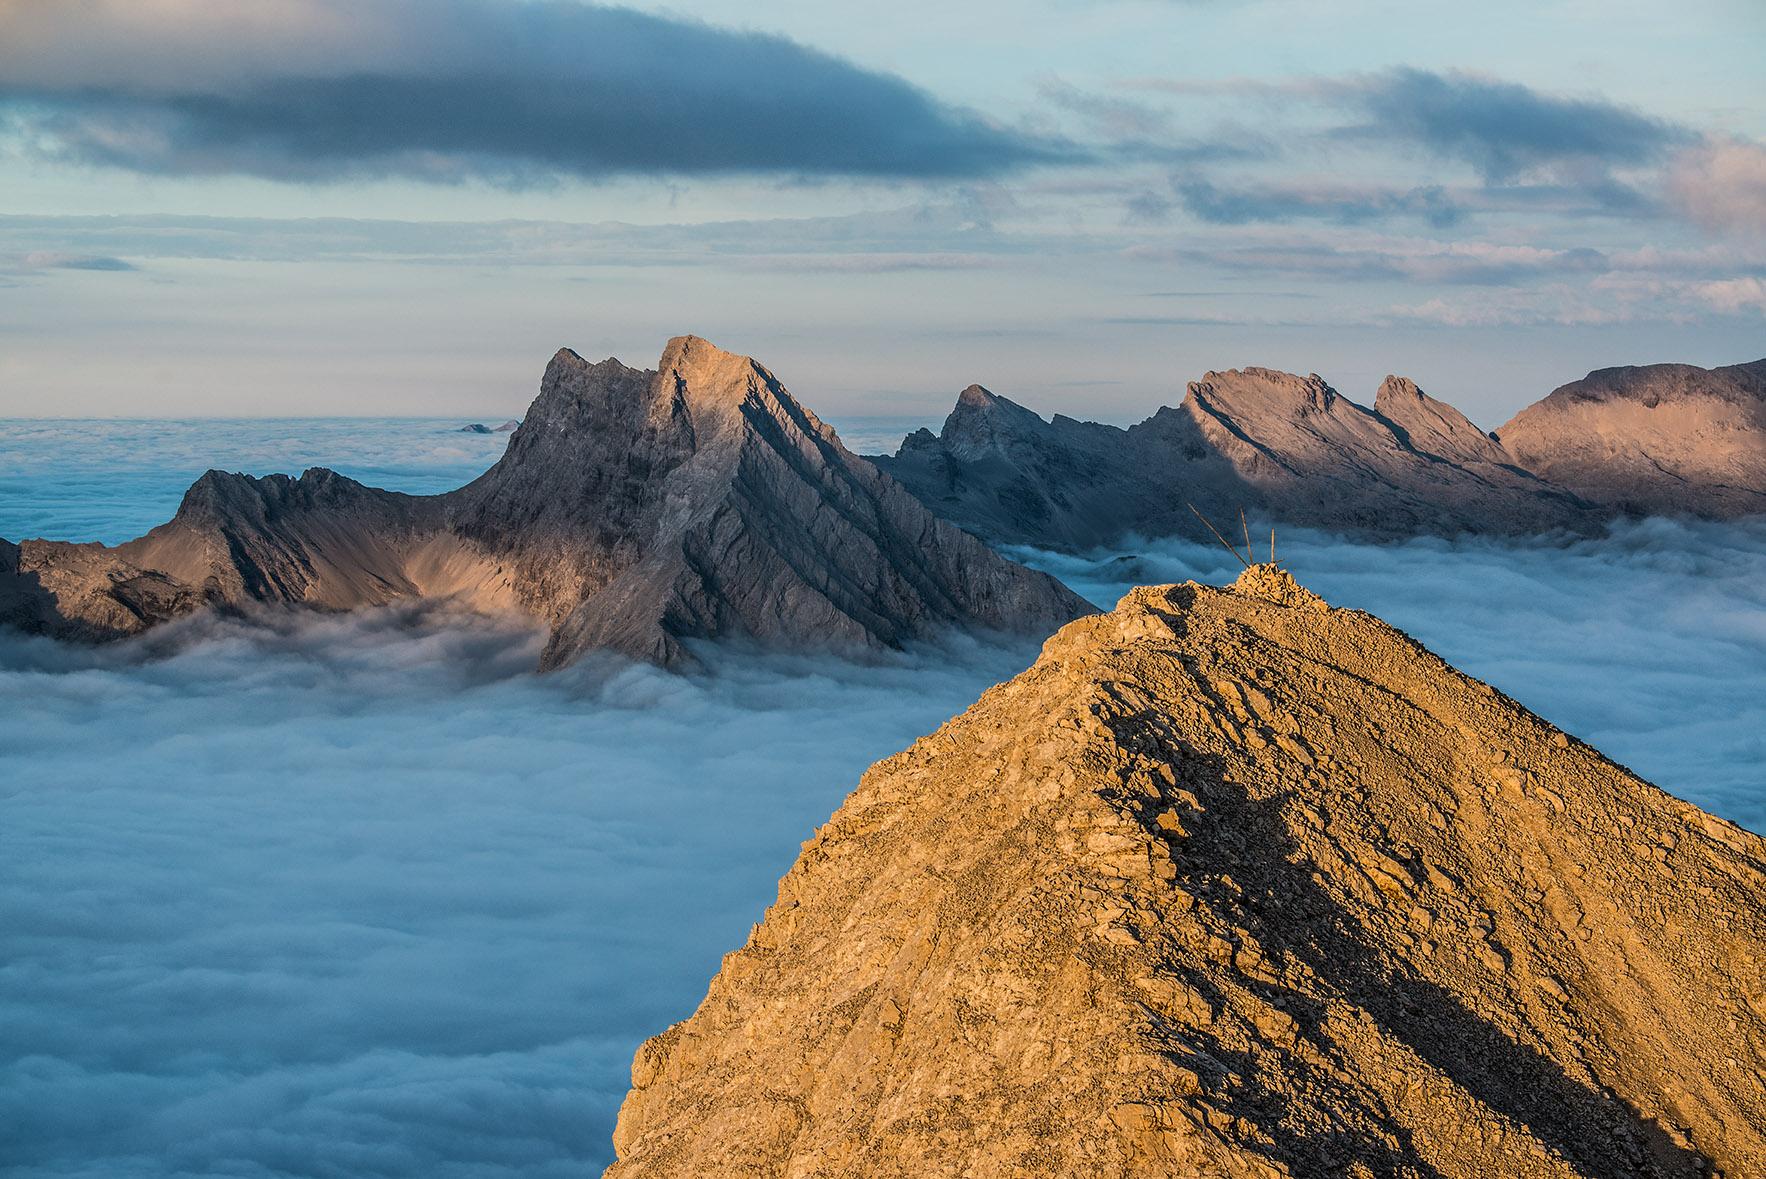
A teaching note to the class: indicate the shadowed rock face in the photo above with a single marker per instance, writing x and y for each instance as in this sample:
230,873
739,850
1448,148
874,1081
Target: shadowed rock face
632,511
1233,883
1291,449
1280,446
1662,438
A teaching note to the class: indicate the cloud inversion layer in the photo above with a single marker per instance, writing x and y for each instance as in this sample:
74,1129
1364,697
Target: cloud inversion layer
446,90
361,895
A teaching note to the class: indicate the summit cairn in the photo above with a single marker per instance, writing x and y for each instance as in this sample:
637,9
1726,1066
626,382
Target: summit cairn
1234,883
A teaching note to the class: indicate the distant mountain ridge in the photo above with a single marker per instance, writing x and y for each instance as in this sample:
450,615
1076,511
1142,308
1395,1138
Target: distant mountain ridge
1663,439
1651,439
638,510
634,510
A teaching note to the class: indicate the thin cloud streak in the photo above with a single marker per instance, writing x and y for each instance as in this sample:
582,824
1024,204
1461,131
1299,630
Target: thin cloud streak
1349,205
1502,129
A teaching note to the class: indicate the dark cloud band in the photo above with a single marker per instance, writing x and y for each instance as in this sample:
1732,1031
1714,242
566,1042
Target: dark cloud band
514,93
1504,129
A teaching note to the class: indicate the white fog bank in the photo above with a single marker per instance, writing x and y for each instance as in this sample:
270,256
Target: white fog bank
364,896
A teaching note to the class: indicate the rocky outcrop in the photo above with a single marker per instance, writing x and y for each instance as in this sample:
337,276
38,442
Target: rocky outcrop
84,592
1655,439
1283,447
1233,883
633,511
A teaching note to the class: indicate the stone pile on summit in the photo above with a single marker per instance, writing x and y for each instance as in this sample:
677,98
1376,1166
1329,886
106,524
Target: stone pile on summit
633,511
1232,883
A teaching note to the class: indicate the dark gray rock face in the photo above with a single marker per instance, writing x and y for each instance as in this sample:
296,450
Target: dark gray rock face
1277,445
1660,438
1004,473
632,511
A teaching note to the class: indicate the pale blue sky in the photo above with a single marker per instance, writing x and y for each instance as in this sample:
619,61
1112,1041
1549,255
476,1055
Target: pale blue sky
403,206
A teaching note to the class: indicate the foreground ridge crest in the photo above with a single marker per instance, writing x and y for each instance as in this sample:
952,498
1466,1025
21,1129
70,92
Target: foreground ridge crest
1231,882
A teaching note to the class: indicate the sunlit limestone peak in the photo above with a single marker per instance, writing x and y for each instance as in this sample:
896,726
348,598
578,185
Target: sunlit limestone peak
1234,883
640,509
1654,439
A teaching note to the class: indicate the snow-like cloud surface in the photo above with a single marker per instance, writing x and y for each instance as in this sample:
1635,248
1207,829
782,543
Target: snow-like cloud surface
364,896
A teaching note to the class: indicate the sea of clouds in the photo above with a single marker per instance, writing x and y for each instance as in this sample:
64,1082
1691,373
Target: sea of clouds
364,896
343,896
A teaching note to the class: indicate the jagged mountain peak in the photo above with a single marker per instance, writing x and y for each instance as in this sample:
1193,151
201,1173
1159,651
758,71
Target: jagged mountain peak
725,393
1434,427
698,391
1234,883
1287,447
633,510
982,421
1396,388
710,375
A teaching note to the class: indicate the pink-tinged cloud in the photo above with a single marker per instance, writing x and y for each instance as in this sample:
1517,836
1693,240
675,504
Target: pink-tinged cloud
1721,185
